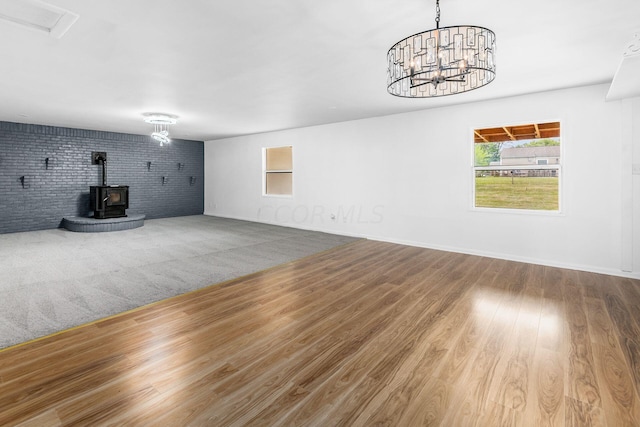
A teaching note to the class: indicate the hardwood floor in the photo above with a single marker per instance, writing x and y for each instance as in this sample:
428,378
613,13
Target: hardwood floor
366,334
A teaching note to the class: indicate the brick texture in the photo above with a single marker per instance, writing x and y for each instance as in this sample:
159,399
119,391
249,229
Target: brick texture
36,194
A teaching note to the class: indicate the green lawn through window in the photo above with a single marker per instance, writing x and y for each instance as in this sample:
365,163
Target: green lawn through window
536,193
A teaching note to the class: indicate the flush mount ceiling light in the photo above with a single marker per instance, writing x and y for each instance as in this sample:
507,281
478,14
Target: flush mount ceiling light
160,124
443,61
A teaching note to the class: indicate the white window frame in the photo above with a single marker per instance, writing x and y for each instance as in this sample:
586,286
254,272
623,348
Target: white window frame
265,172
558,167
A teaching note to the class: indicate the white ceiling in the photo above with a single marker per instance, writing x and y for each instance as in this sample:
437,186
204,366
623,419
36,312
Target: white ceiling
234,67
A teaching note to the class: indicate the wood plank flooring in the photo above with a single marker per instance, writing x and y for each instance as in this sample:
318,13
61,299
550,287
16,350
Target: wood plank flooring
366,334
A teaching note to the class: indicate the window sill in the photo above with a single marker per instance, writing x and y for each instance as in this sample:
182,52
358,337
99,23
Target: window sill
518,211
279,196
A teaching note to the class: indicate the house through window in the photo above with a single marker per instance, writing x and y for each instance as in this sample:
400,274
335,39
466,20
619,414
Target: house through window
518,167
278,171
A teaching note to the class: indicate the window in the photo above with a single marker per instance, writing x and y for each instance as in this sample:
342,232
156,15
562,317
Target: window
518,167
278,171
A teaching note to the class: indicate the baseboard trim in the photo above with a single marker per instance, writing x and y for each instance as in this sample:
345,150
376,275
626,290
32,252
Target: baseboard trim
497,255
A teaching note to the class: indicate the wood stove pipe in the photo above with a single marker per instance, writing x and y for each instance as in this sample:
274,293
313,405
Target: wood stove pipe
104,172
101,158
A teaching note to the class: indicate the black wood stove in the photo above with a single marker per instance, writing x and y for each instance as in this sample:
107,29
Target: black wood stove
107,201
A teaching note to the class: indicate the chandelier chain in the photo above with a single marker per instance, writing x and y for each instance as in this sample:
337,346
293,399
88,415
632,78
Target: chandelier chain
437,14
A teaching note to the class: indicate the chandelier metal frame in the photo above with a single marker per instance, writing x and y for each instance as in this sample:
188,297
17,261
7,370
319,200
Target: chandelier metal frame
160,122
442,61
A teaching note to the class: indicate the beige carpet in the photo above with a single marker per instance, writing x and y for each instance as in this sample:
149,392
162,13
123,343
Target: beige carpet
55,279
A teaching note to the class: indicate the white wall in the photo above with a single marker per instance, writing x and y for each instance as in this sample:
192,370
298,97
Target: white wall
631,129
407,178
